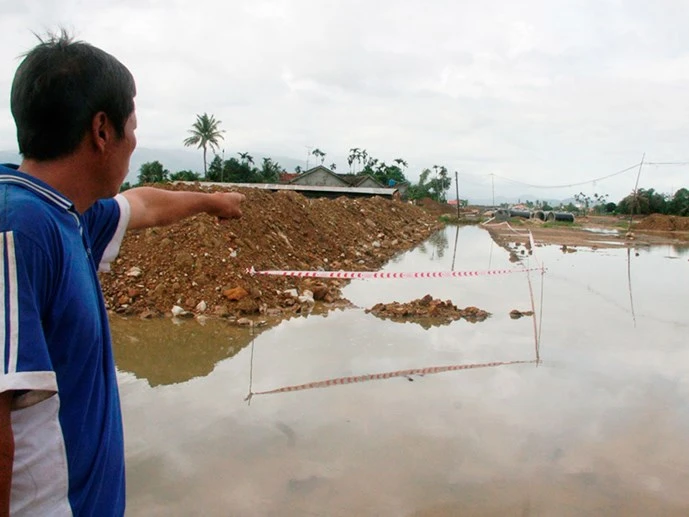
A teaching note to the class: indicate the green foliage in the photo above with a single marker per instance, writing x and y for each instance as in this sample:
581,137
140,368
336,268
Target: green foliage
546,206
125,186
235,171
270,171
610,208
645,202
153,172
435,188
559,224
205,132
185,176
680,203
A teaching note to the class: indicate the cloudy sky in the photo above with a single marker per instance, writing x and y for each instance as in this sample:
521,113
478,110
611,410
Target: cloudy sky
547,92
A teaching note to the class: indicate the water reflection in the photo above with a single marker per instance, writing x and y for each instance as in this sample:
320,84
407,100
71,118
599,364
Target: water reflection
599,428
163,352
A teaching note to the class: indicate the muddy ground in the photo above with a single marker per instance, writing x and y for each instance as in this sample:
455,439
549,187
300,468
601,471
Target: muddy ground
199,266
594,232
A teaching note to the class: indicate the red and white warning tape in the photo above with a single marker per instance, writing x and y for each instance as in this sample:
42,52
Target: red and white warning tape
387,375
389,274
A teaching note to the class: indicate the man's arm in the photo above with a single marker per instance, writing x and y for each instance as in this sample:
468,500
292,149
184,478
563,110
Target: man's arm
6,452
157,207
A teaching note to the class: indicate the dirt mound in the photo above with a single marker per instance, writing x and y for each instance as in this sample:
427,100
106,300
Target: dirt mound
436,208
427,312
201,266
666,223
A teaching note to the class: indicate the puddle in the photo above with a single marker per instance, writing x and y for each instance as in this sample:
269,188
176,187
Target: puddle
602,231
598,428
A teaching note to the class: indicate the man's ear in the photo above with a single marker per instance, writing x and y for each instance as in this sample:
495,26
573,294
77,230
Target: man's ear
101,131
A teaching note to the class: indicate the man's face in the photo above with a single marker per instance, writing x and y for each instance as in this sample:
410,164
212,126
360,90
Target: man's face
121,154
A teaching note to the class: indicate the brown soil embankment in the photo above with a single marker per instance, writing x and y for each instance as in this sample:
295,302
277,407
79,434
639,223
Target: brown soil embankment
201,266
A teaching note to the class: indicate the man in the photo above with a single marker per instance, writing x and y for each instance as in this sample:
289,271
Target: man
61,446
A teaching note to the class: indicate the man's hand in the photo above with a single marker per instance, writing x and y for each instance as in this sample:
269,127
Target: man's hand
228,205
158,207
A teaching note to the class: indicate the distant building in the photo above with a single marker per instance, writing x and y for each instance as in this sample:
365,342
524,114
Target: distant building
286,177
319,176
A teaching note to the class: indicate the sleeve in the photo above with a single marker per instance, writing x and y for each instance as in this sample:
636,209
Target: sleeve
25,292
107,222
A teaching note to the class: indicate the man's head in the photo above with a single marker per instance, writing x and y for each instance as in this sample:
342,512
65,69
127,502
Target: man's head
58,89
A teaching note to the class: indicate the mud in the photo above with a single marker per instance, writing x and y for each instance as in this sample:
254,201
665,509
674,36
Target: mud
200,266
427,312
596,232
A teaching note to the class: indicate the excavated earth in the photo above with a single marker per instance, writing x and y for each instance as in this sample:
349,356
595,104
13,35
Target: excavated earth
200,266
427,312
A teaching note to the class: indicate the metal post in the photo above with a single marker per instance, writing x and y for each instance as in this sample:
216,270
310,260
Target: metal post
457,191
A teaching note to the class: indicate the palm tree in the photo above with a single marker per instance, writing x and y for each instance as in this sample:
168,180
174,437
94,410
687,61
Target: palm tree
354,154
246,157
333,166
205,133
319,154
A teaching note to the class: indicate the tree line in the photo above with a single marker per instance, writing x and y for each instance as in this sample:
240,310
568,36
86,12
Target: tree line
205,134
642,202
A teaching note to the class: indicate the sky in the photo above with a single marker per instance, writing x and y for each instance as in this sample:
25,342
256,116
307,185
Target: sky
508,94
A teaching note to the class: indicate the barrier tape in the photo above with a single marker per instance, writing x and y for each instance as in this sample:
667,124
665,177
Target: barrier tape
388,274
386,375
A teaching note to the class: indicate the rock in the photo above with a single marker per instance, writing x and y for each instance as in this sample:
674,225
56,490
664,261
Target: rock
292,292
244,322
146,314
201,306
177,311
134,272
221,310
320,292
132,292
123,300
235,294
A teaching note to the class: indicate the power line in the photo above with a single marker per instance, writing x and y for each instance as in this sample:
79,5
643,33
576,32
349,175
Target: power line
594,180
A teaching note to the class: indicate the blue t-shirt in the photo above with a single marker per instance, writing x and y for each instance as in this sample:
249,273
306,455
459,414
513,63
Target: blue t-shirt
55,337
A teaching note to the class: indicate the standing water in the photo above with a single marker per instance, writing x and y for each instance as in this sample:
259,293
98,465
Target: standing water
597,428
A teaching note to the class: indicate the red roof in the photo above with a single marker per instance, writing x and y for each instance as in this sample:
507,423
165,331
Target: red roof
286,177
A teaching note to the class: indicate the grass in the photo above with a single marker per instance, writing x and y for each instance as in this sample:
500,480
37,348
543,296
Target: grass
453,219
560,224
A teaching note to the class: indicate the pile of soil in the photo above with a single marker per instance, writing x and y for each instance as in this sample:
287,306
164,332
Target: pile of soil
666,223
434,207
201,266
427,310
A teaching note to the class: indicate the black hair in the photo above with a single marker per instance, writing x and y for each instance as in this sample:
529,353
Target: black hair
58,88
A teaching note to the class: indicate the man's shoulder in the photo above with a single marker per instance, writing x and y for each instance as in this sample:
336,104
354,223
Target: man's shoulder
23,212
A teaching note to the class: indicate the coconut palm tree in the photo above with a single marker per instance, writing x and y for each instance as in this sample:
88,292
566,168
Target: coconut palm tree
319,154
205,132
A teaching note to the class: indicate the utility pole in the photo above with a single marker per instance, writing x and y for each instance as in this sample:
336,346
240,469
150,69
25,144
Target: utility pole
457,191
308,155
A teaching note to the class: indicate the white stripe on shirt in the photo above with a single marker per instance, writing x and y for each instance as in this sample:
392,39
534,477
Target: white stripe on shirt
13,303
113,247
3,308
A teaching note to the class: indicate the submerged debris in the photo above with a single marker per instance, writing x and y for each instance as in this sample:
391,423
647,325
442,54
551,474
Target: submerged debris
516,314
427,311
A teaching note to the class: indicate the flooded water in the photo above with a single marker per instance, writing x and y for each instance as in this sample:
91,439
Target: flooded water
598,428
